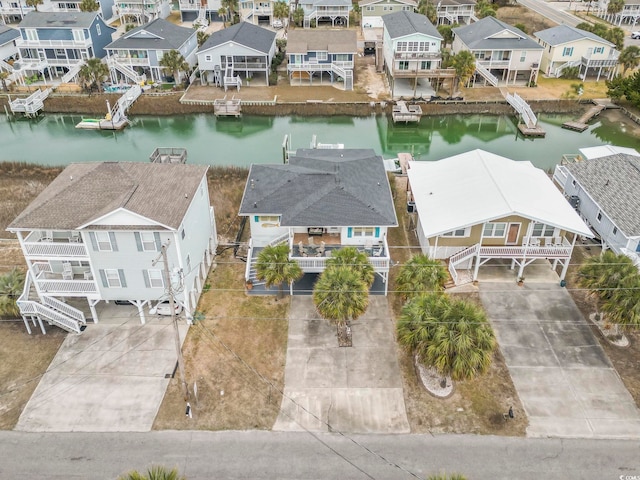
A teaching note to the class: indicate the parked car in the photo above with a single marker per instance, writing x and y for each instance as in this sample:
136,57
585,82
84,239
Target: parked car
164,308
635,35
122,302
277,23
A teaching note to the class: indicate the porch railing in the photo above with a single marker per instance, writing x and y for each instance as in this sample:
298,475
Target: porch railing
55,249
21,42
68,287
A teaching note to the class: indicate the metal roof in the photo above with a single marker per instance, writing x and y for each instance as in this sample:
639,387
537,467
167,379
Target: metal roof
84,192
333,187
156,35
243,33
478,186
490,33
401,24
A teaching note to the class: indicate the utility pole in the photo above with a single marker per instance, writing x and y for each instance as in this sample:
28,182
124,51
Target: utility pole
174,319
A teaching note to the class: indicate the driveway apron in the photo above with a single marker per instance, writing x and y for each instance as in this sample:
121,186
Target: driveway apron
564,379
354,389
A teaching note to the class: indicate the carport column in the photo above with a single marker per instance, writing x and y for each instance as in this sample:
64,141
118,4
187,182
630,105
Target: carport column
566,262
92,307
477,267
140,305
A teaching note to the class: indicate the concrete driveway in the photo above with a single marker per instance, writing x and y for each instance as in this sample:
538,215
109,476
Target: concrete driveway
564,379
354,389
112,378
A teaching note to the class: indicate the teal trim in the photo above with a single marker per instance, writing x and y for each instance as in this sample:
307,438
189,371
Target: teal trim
377,232
256,218
349,232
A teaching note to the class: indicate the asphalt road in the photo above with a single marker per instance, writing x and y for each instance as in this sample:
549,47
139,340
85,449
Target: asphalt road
267,455
550,12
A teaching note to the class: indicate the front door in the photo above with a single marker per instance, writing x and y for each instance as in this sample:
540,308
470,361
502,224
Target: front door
512,233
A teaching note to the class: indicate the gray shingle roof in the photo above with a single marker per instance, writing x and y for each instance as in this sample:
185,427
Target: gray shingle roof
363,3
156,35
564,34
322,188
84,192
614,183
332,41
476,36
243,33
404,23
58,20
7,34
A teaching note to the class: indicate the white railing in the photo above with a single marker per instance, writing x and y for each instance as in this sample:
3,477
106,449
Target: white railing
558,71
247,270
5,66
523,108
330,12
33,308
32,104
453,273
72,73
486,74
20,11
56,249
125,70
493,63
67,287
417,55
64,308
560,175
281,239
21,42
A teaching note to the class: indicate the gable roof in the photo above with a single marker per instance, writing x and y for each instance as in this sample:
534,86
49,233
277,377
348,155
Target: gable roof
494,187
363,3
613,182
341,187
243,33
332,41
565,34
485,34
7,34
156,35
58,20
329,3
401,24
443,3
84,192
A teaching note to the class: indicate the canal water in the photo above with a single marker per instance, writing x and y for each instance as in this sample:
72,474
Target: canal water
54,140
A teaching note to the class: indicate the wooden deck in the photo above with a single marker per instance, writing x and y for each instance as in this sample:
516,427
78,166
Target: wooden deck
406,113
227,108
535,131
581,124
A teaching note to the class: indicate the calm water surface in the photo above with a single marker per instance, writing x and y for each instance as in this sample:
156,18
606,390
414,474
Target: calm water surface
54,140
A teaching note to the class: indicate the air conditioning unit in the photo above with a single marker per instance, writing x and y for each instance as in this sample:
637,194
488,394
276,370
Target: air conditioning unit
574,201
411,207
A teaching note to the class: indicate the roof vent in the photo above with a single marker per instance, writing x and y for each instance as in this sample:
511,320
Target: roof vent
255,204
253,184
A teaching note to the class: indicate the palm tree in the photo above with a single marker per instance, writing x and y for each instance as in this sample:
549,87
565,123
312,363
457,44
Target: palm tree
629,58
428,9
453,336
356,260
92,73
154,473
231,7
602,275
447,34
174,63
340,295
281,10
420,274
623,307
202,37
89,6
464,64
485,9
11,285
33,3
615,6
298,16
276,268
222,12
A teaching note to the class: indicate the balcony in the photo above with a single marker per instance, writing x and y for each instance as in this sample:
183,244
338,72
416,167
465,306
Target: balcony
417,55
249,65
62,245
432,73
535,247
318,67
22,43
332,12
76,281
594,63
489,64
130,61
20,11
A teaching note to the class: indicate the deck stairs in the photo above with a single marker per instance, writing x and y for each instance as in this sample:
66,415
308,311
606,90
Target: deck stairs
31,105
487,75
229,79
49,309
128,72
5,66
119,110
252,275
202,18
523,108
458,277
72,73
558,71
347,76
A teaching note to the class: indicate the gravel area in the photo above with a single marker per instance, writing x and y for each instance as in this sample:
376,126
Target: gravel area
432,381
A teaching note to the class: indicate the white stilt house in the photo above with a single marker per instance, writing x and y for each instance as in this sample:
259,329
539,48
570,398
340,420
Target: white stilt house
477,206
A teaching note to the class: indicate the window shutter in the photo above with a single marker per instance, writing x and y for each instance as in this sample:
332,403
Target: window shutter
123,281
103,277
94,242
349,232
138,241
145,274
156,236
256,218
112,239
377,232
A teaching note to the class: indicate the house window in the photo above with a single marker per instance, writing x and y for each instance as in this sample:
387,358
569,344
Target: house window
523,57
573,182
615,230
322,56
403,65
148,241
155,278
542,230
113,278
267,218
98,30
207,58
370,8
31,34
103,240
497,229
567,51
59,52
425,65
599,216
364,231
406,8
460,232
342,57
598,50
78,35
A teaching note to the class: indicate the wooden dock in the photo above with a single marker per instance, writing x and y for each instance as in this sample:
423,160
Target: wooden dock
581,124
406,113
227,108
534,131
168,155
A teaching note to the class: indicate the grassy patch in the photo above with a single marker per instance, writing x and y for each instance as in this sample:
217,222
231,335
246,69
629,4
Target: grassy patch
25,358
562,87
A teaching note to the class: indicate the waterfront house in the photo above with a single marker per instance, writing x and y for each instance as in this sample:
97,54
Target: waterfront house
199,11
332,13
317,57
257,12
241,50
566,46
505,55
628,15
95,234
412,57
474,207
603,188
456,12
139,51
372,11
13,11
57,43
141,11
8,48
105,7
320,201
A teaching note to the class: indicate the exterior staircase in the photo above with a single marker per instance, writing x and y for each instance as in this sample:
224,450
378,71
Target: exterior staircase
128,72
251,274
464,255
347,76
558,71
487,75
118,112
48,309
72,73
